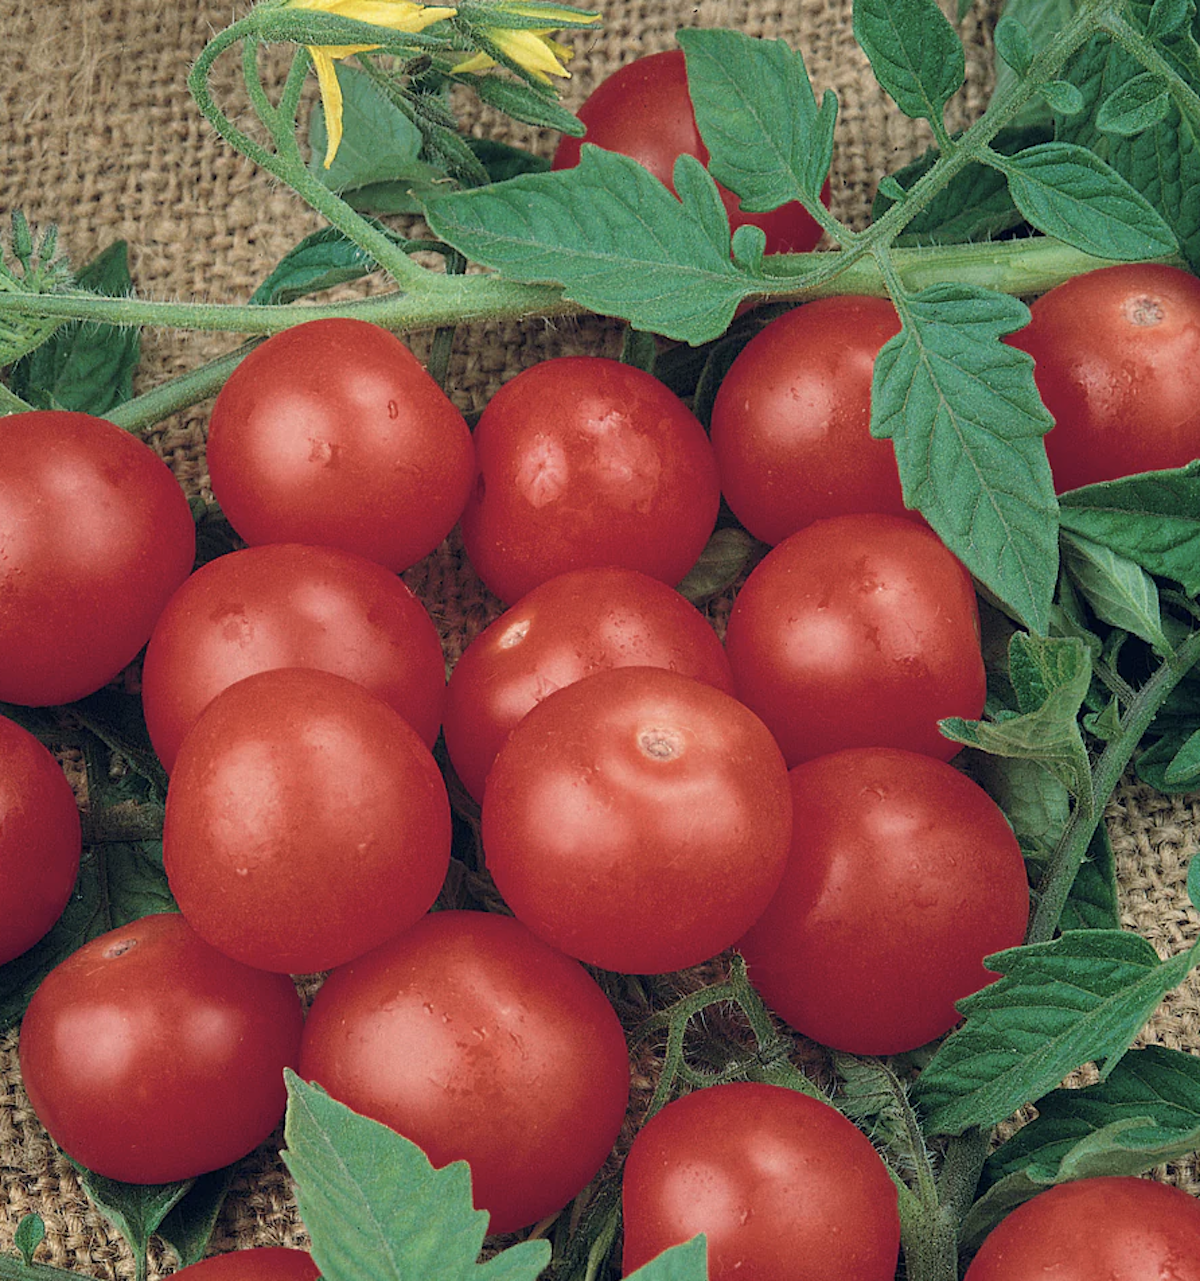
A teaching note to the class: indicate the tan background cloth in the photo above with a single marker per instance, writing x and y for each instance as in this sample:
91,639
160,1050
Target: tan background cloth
100,136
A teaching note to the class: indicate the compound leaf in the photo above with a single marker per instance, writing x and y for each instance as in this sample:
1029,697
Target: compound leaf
914,51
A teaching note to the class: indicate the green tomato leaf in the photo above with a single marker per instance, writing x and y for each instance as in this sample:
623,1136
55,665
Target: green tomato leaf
726,556
1184,766
963,413
135,1209
687,1262
1080,998
1042,20
1117,588
523,102
1162,758
1013,43
503,161
1193,881
375,1207
914,51
1034,801
1063,97
768,141
1169,16
320,261
1139,104
29,1234
189,1223
1093,902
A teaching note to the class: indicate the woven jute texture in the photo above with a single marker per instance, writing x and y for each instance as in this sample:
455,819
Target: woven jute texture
100,136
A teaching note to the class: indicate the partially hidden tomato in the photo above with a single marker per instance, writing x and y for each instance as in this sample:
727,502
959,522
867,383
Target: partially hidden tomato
287,605
571,626
264,1263
306,822
783,1187
1115,1228
903,875
643,111
478,1042
860,630
95,535
150,1057
332,433
638,820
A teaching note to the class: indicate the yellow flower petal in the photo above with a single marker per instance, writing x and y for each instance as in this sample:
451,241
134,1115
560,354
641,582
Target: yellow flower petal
534,51
551,16
331,98
478,62
399,15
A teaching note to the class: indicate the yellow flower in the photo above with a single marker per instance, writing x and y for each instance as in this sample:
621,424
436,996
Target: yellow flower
532,49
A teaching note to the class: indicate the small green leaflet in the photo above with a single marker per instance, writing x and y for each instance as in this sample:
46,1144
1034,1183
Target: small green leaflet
726,556
1013,43
768,141
963,413
915,53
1117,588
136,1210
321,260
30,1233
1137,105
1080,998
1042,21
1184,766
1093,903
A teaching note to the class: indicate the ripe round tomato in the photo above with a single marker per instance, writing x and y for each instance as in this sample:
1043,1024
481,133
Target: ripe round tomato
1117,363
643,111
903,875
1118,1229
332,433
40,840
638,819
306,822
791,421
585,461
287,605
151,1057
569,627
478,1042
95,535
782,1185
265,1263
858,631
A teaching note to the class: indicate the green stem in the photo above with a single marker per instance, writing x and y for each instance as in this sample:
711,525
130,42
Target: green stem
142,412
16,1270
11,403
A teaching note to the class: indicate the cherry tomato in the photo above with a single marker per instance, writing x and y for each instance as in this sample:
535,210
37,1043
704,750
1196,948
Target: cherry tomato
585,461
40,840
332,433
782,1185
151,1057
857,631
478,1042
569,627
638,819
791,421
265,1263
1118,1229
1117,363
643,110
95,535
903,875
290,606
306,822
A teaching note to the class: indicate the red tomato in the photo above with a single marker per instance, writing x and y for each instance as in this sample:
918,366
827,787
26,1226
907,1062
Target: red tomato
643,110
266,1263
152,1057
783,1187
790,424
290,606
1118,1229
332,433
479,1043
903,875
306,822
95,535
584,461
858,631
638,820
40,840
1117,363
569,627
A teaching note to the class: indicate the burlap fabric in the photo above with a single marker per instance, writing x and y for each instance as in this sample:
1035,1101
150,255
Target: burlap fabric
101,137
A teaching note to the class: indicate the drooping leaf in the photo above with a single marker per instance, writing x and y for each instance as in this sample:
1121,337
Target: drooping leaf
1093,903
320,261
915,53
1117,588
189,1223
726,556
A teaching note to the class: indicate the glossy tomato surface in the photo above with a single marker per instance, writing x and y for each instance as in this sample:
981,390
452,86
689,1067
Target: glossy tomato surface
791,421
782,1185
1118,1229
638,820
306,822
40,840
643,111
95,535
859,630
332,433
151,1057
476,1041
265,1263
288,605
571,626
1116,354
903,875
585,461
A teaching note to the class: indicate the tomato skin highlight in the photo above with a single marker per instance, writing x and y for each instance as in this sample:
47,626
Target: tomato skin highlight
782,1185
260,1263
638,820
858,631
478,1042
151,1057
1118,1228
95,535
922,852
